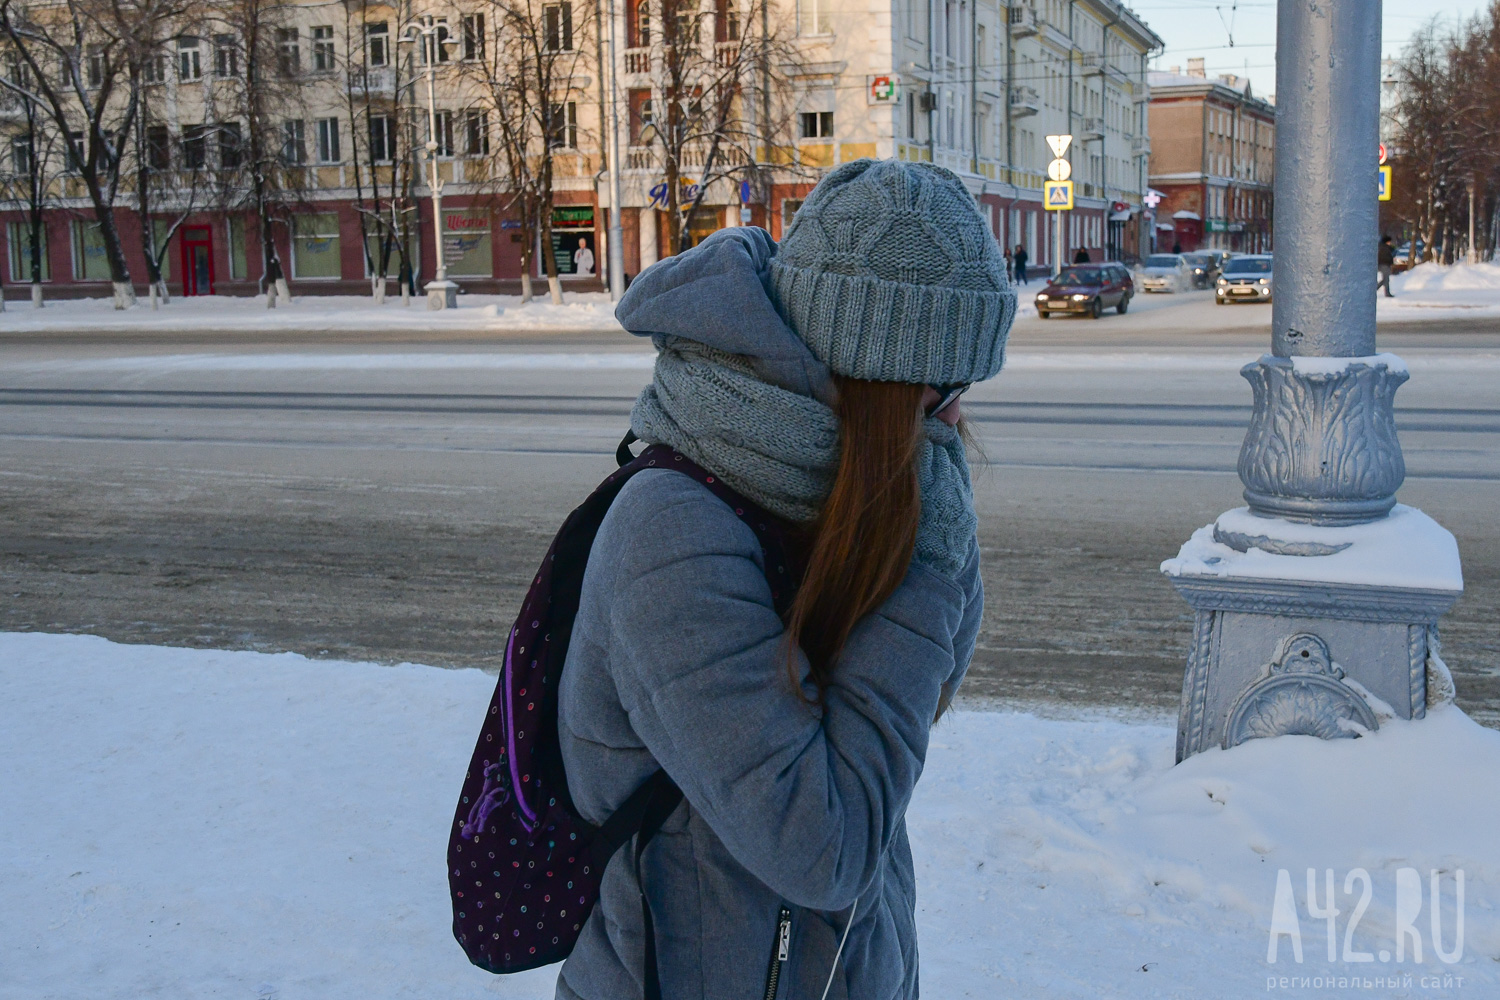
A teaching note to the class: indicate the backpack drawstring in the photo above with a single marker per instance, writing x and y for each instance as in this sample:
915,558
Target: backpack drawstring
835,967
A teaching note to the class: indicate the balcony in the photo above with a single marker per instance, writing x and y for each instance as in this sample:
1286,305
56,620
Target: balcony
1091,128
637,60
372,82
727,54
1093,64
640,158
1023,23
1024,101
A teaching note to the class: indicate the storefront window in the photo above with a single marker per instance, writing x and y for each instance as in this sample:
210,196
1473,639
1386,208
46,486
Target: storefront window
18,239
90,262
573,243
315,246
238,255
467,251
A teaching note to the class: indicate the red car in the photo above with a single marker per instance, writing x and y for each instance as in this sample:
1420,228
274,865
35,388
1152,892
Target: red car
1087,289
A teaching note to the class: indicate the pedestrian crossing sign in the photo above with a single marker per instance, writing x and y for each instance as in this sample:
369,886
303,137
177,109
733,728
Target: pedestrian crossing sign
1057,196
1385,182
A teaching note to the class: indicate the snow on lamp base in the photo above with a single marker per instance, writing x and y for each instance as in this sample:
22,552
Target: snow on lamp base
1310,629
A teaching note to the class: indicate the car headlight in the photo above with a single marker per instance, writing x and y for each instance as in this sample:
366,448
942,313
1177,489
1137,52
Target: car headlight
1041,297
1079,298
1223,281
1265,281
1197,270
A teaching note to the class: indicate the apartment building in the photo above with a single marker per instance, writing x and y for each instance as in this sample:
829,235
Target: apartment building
1213,154
972,85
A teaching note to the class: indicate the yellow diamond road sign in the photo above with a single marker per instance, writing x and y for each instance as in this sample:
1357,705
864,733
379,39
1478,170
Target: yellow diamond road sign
1057,196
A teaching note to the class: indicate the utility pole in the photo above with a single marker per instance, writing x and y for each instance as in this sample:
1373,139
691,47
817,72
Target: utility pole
1323,591
1473,247
616,258
434,39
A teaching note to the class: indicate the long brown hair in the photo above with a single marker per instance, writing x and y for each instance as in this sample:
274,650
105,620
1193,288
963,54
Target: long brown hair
863,540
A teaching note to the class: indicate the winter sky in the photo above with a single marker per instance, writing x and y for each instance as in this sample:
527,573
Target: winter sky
1205,28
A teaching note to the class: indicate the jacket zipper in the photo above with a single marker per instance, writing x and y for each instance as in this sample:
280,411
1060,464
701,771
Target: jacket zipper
779,950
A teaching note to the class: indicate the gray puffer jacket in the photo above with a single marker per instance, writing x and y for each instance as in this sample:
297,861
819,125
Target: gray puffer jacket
677,662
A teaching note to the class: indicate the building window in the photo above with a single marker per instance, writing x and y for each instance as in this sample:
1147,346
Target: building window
813,17
433,48
322,45
95,66
195,147
444,136
226,56
154,68
467,249
315,245
294,142
77,152
328,140
19,242
378,43
90,261
473,27
557,26
239,262
21,155
564,130
158,147
288,51
231,146
477,133
640,114
726,21
789,207
816,124
640,27
189,59
382,138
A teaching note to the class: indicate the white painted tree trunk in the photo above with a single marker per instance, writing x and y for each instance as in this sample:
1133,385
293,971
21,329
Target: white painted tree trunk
554,286
124,294
166,296
405,294
36,295
270,296
525,288
155,301
377,289
283,292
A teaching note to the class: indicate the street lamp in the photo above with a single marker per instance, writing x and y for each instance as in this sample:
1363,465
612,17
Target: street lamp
442,293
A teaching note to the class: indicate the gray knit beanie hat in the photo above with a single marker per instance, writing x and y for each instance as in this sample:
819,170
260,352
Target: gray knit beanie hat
888,272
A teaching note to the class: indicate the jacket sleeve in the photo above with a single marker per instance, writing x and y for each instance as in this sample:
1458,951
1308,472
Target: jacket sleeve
806,801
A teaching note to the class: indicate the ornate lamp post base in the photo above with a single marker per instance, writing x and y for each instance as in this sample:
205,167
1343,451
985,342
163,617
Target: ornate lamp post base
442,294
1304,629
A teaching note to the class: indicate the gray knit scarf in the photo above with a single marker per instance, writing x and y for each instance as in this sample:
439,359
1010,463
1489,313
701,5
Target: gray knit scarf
780,448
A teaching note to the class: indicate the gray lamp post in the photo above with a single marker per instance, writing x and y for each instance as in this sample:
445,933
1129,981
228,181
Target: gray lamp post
441,293
1316,606
616,258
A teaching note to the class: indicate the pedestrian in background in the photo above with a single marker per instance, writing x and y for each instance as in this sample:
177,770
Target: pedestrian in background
1080,256
1021,258
828,396
1387,262
1010,267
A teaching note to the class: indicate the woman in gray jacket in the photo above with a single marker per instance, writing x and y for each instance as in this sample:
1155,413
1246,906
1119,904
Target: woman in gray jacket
820,380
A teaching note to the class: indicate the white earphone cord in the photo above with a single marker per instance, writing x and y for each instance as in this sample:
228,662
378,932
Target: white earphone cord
833,971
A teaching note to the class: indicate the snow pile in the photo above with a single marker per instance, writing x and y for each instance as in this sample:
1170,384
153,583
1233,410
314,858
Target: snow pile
203,823
1304,364
355,313
1463,288
1405,549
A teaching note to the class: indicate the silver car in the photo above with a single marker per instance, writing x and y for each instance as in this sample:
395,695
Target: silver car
1166,272
1245,278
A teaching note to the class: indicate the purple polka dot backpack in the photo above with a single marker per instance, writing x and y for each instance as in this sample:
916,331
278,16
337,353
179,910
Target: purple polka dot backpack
524,868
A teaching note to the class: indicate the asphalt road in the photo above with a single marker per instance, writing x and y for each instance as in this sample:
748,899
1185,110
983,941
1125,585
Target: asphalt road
386,498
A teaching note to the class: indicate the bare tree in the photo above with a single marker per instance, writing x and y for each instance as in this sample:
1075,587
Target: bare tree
35,167
723,98
530,83
79,55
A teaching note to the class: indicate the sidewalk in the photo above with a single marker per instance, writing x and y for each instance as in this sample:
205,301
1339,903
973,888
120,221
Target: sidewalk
1432,291
183,822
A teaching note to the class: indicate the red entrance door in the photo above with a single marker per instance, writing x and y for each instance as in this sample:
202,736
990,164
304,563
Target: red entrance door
197,260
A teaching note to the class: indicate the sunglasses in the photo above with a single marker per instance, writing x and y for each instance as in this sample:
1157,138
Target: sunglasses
947,396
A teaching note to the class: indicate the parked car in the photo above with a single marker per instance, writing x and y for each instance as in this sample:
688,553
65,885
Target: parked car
1087,289
1166,272
1205,268
1246,278
1403,256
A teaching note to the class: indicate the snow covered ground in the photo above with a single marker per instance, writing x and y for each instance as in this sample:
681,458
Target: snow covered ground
579,311
197,823
1435,291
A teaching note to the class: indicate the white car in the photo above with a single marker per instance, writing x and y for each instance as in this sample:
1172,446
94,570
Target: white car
1245,278
1166,272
